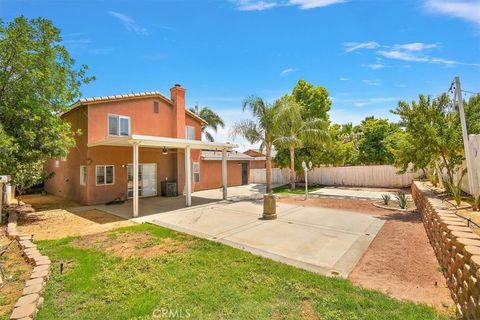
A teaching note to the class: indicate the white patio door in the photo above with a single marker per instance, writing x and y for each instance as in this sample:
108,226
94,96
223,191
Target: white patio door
147,180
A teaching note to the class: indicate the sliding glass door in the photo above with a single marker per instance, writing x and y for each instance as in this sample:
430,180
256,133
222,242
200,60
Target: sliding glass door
147,180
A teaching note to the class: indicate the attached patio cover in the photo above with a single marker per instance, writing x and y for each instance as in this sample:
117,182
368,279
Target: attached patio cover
136,141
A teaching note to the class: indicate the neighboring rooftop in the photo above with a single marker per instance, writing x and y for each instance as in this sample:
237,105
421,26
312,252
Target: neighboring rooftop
259,154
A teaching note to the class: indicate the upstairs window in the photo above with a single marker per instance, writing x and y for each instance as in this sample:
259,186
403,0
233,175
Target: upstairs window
118,125
190,132
156,107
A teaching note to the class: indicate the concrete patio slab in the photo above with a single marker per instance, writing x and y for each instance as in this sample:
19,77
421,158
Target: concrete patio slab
322,240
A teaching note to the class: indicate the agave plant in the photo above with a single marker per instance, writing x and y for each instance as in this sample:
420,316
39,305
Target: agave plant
386,198
402,199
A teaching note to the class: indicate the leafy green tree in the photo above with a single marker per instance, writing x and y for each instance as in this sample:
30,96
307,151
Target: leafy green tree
374,144
315,99
38,80
292,130
430,132
213,120
258,129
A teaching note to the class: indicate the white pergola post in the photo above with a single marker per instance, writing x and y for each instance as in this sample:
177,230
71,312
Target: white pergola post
135,179
224,174
188,177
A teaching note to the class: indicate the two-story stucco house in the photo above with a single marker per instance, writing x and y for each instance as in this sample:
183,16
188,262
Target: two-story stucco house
146,135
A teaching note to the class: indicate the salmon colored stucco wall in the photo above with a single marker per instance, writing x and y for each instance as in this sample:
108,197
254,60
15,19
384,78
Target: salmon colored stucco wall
120,157
142,118
257,164
66,179
211,174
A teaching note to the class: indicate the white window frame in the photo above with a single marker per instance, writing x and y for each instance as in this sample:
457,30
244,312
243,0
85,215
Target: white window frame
83,175
187,130
119,117
197,164
105,175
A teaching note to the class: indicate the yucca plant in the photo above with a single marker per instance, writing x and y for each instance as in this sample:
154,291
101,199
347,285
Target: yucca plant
386,198
455,189
402,199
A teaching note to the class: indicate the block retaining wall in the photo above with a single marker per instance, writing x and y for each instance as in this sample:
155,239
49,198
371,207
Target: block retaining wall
457,249
27,306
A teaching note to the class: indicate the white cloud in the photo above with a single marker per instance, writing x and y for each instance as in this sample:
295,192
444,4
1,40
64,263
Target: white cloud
260,5
311,4
415,46
251,5
353,46
372,82
402,55
344,79
466,10
376,66
129,23
287,72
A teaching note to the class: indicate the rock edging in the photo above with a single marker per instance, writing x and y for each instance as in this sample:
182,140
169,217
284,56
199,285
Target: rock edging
27,306
457,249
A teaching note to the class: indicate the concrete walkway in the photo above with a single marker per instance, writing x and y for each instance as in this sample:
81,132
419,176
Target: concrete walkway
322,240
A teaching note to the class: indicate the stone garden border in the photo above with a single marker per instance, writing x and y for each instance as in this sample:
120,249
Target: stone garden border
457,249
27,306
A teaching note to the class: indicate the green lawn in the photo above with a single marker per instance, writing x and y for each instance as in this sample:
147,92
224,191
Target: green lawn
208,280
285,190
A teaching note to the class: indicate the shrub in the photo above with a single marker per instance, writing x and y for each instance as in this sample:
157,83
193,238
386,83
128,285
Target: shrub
386,198
402,199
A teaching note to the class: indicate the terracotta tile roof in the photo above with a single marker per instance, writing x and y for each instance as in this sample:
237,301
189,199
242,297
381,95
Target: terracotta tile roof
148,94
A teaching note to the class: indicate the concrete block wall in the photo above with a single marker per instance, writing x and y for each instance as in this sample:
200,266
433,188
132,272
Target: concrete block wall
457,249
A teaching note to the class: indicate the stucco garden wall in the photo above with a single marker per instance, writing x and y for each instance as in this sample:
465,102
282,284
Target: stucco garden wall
457,249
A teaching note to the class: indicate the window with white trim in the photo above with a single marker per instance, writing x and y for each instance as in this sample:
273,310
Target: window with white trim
104,175
196,172
190,132
83,175
118,125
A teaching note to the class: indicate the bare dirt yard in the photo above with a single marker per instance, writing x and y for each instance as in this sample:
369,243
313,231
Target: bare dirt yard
15,270
54,220
135,244
400,261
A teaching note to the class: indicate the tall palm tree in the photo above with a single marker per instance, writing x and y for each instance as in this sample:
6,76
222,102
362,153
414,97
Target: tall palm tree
258,129
213,120
292,130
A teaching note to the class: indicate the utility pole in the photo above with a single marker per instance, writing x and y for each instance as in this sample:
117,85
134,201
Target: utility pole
466,144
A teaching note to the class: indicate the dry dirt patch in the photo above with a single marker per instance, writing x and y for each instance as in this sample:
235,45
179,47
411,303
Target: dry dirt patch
17,271
131,244
61,223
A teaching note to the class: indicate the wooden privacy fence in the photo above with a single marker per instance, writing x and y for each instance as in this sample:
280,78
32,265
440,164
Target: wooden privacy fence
354,176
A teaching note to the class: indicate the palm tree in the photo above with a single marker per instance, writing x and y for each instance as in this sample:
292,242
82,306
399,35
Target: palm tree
213,120
292,130
258,129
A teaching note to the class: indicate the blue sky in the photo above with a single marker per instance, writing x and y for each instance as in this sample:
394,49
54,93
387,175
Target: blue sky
368,53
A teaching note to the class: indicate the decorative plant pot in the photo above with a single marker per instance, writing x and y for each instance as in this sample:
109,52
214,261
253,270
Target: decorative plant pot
269,207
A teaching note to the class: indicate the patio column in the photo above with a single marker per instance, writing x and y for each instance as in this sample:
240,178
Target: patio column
224,173
188,177
135,179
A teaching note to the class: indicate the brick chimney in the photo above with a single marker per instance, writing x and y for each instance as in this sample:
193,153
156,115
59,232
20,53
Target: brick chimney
177,94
